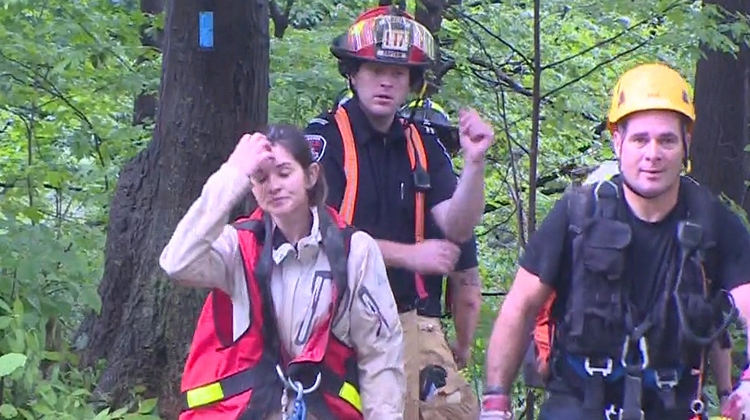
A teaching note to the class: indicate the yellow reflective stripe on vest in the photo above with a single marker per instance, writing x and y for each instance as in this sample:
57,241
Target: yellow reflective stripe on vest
350,394
211,393
204,395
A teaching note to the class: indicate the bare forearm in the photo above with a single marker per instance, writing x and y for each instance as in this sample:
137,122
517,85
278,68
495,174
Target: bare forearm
508,342
466,306
741,297
465,318
721,367
395,254
466,204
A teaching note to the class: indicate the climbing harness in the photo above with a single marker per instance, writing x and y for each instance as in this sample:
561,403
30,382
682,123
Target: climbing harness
609,359
299,411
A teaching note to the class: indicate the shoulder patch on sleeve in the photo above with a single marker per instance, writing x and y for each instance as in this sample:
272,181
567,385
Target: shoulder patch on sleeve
317,145
318,120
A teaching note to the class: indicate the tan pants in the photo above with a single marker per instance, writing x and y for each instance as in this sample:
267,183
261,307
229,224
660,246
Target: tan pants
425,344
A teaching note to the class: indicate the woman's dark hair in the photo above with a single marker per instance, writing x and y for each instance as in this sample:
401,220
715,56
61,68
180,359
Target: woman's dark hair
292,139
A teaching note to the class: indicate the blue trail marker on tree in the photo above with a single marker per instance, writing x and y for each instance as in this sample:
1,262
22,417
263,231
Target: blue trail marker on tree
206,26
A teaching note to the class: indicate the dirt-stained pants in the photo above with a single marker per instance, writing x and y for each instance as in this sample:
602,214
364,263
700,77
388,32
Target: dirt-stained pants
425,344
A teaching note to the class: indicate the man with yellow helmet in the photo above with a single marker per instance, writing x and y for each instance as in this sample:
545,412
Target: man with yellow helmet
394,179
648,269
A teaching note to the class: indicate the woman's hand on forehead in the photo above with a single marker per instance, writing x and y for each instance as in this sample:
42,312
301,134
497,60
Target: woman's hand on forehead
252,155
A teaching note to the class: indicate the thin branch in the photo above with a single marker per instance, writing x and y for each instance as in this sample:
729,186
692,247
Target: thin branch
494,35
597,67
501,76
280,18
497,226
609,40
12,184
500,101
55,92
98,42
535,112
491,65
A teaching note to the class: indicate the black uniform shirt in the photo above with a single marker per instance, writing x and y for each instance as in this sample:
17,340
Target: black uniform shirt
385,205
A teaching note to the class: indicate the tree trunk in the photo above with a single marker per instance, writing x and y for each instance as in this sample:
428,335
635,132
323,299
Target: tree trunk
145,105
721,129
208,98
430,14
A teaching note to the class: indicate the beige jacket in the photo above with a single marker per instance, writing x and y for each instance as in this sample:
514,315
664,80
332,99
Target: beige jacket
203,252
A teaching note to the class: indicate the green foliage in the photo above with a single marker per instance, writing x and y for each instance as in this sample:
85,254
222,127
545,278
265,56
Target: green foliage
69,72
68,77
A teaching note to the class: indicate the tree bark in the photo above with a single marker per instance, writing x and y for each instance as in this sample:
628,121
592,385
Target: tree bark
207,100
145,105
721,130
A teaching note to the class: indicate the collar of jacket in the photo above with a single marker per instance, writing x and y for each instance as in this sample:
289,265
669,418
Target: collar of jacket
363,130
307,247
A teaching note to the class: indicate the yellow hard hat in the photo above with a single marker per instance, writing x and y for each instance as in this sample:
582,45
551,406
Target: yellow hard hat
649,87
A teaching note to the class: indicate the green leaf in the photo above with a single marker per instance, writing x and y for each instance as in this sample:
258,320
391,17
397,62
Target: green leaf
102,415
10,362
5,322
119,412
7,411
147,406
52,355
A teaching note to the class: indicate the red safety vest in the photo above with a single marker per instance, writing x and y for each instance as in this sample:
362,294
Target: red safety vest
227,379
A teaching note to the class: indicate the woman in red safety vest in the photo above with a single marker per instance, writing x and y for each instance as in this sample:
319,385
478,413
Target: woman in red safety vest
300,322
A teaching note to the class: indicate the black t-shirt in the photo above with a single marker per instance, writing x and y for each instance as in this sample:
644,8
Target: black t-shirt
385,205
548,253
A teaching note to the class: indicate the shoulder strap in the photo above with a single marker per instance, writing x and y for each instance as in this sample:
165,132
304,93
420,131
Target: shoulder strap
252,225
336,242
700,204
601,198
418,161
262,230
347,232
580,207
351,165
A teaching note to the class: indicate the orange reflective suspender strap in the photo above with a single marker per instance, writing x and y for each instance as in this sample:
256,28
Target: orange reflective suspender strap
351,166
414,142
351,171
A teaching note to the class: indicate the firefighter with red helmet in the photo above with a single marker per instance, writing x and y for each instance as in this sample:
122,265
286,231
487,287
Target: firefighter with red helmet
394,179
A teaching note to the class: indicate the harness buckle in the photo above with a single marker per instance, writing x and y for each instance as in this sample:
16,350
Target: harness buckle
297,386
421,179
697,407
642,346
614,413
668,380
604,370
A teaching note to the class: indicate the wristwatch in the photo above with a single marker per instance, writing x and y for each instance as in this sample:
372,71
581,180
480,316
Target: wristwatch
496,399
495,390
